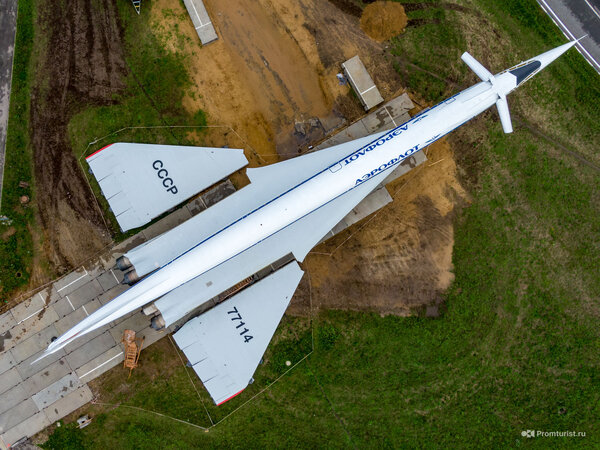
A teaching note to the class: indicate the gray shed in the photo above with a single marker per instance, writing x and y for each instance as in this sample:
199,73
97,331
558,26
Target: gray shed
362,83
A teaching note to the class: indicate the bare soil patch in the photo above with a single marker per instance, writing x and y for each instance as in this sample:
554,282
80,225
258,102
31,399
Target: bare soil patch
383,20
399,260
82,64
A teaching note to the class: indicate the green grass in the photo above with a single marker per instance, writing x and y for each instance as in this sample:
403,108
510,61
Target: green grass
155,86
16,250
518,346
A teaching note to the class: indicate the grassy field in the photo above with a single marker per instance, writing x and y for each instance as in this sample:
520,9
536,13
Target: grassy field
518,346
16,245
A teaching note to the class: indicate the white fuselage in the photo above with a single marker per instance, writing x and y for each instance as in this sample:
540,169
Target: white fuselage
373,160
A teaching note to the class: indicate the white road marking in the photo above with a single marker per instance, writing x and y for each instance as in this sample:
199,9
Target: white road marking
42,299
569,35
85,310
74,281
100,365
593,9
390,116
67,297
113,274
30,316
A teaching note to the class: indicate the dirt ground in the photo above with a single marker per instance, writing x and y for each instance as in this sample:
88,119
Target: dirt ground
83,64
274,65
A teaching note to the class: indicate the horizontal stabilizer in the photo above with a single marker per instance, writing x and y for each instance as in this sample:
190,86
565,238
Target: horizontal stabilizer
504,113
142,181
477,67
225,344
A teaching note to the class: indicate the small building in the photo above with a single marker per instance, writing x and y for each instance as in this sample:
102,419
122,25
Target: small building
202,24
362,83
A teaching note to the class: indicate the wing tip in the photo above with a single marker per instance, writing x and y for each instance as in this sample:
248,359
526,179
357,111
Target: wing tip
98,151
229,398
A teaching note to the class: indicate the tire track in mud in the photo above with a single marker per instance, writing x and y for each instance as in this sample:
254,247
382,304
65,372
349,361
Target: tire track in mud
81,64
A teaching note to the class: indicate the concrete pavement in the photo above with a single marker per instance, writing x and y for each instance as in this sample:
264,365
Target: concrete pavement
577,18
8,26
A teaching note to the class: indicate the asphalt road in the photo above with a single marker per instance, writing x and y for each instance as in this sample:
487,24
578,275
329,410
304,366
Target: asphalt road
577,18
8,24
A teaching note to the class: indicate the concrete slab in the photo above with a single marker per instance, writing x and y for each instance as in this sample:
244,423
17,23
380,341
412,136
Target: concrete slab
90,350
167,223
150,335
218,193
118,274
35,344
374,201
17,415
126,245
85,293
107,280
27,369
69,403
49,295
9,379
63,307
45,378
76,316
400,105
30,327
7,321
28,308
380,120
354,131
136,323
7,360
13,397
72,281
27,428
57,390
196,206
101,364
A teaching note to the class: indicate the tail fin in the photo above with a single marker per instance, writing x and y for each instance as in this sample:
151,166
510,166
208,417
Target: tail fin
486,75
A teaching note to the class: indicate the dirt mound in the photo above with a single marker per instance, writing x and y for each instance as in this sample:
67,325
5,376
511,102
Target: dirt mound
383,20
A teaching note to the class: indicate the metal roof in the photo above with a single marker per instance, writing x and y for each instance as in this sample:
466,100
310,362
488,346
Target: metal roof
362,82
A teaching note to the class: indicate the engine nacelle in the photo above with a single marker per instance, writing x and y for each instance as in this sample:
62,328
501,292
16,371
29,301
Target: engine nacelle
131,277
123,263
157,322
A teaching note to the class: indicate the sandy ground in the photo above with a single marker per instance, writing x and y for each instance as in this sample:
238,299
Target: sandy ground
275,64
383,20
398,260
